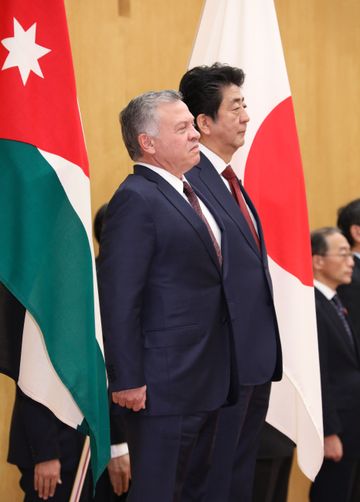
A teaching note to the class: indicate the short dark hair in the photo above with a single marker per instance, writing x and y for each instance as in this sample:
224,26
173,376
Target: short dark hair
202,87
319,245
140,116
347,216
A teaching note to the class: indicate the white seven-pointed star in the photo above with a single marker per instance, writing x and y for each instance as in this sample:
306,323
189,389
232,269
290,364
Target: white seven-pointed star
23,51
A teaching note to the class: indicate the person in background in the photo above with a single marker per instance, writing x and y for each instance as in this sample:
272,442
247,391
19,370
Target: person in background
273,466
333,265
349,223
45,450
113,485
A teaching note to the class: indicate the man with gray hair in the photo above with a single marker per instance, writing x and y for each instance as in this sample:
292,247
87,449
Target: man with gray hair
164,314
333,265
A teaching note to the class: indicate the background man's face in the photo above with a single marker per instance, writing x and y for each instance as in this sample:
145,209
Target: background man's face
337,265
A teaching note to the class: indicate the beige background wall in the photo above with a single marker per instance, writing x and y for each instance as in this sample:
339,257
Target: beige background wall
124,47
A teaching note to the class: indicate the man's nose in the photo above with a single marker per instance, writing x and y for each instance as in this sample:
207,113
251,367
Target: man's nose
194,133
244,116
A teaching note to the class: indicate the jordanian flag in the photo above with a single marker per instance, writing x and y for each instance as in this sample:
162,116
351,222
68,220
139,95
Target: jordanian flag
46,257
245,33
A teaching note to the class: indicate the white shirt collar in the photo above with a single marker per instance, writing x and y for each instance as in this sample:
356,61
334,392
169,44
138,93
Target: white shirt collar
357,254
178,185
173,180
216,161
325,290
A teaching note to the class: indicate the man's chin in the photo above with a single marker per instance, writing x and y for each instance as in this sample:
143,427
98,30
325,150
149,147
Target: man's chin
196,158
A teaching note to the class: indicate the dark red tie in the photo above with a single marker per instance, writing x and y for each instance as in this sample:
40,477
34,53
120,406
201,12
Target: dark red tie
231,177
194,202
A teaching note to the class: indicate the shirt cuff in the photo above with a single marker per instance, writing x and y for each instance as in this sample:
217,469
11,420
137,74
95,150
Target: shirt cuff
118,450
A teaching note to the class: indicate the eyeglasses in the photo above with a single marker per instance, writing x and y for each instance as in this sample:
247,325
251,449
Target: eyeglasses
342,256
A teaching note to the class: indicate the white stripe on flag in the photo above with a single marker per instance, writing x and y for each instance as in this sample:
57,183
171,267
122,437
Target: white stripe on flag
37,376
39,380
77,188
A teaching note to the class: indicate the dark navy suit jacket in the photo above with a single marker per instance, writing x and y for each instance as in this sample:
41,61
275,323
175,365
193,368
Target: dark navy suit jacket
350,296
340,377
162,304
247,282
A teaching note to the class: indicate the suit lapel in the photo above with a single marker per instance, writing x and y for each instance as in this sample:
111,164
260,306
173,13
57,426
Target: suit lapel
337,324
210,177
183,207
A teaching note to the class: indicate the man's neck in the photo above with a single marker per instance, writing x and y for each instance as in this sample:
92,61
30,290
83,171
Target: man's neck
152,161
329,284
216,148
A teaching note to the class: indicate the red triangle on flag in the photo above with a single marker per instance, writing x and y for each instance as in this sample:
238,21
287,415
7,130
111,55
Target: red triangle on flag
42,111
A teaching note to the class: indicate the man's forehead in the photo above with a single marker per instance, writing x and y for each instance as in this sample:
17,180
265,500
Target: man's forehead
337,241
176,112
173,108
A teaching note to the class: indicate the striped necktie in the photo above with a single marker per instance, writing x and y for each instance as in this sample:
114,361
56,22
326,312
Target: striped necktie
340,309
194,202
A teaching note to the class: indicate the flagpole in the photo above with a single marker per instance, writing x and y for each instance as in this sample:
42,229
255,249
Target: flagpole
81,472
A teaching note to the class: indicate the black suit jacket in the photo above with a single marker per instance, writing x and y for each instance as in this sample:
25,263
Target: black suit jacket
247,282
274,444
340,377
12,315
161,296
350,296
36,435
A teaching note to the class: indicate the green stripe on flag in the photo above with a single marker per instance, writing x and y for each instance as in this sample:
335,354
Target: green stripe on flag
45,261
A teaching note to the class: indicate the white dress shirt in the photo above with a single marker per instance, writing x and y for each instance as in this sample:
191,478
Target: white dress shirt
178,185
325,290
220,165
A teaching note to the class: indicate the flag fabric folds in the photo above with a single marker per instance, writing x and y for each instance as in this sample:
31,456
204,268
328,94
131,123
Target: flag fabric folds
245,33
46,256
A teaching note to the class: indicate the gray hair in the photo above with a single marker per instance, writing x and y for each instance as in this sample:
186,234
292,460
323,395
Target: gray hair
319,245
139,116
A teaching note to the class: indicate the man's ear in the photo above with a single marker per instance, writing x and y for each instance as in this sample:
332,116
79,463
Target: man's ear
146,143
355,233
317,262
203,122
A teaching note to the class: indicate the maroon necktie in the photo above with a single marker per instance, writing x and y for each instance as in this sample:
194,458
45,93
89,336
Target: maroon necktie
230,176
194,202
